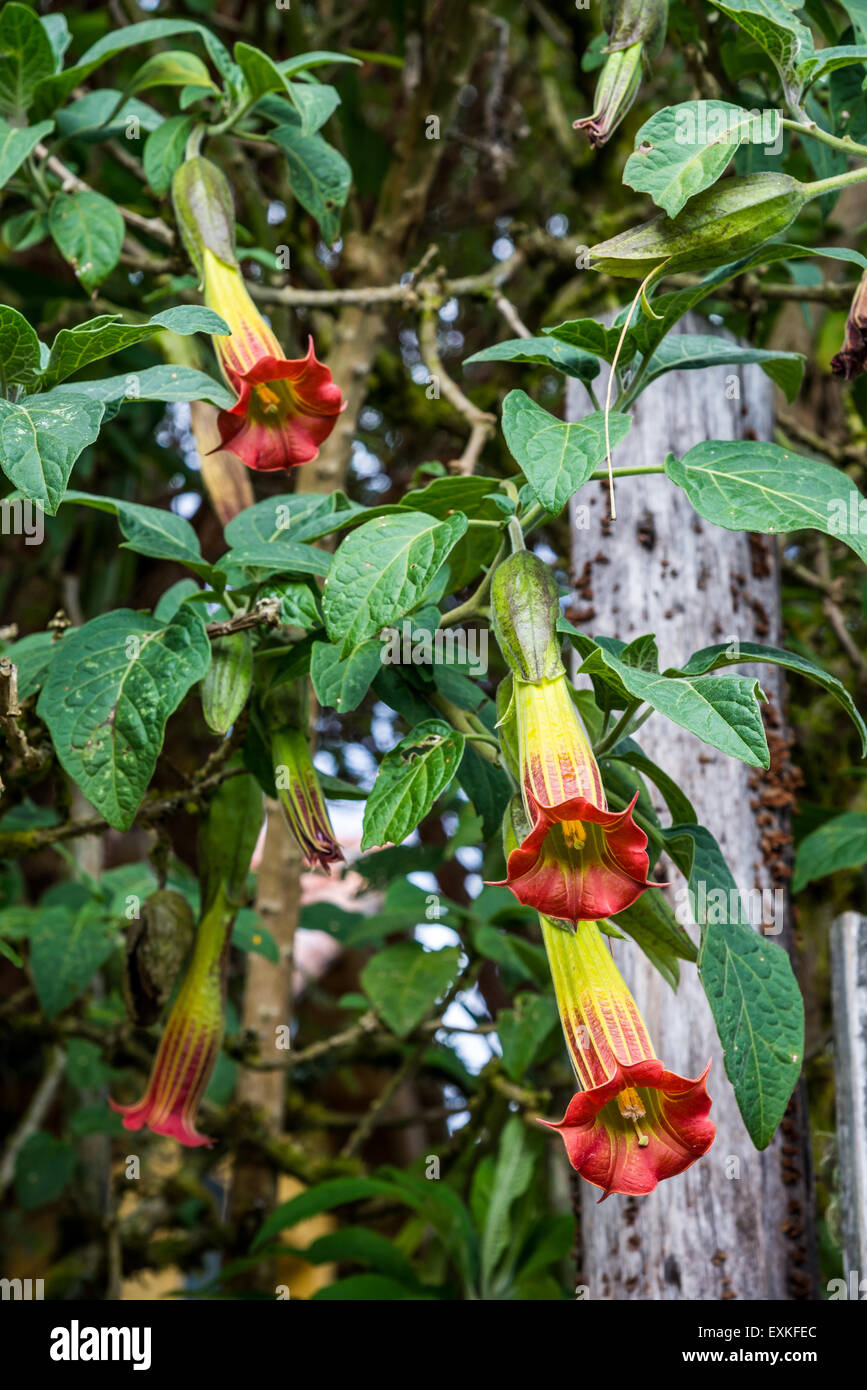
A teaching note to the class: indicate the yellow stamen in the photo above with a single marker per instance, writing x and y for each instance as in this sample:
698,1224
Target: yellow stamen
574,834
268,399
630,1106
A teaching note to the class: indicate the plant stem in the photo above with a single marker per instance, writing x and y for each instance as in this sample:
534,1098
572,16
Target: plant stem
815,132
619,730
822,186
473,605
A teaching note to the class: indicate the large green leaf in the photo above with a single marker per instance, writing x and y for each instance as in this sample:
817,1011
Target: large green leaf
111,687
20,353
382,570
164,151
688,351
40,439
88,232
557,458
828,60
152,531
759,1015
403,982
261,73
26,56
653,926
522,1031
16,143
729,654
512,1177
546,352
683,149
342,682
319,176
775,29
409,781
593,337
334,1192
65,953
271,536
841,843
745,485
174,69
78,347
722,711
166,382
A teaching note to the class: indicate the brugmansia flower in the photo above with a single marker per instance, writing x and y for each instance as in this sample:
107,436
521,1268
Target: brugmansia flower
636,33
577,860
851,360
301,798
633,1123
286,407
191,1042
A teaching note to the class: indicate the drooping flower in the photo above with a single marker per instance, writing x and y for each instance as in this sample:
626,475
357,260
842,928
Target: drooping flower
190,1044
636,32
576,859
286,408
633,1123
851,360
300,793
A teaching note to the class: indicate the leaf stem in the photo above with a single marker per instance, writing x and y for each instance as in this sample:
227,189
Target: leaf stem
813,131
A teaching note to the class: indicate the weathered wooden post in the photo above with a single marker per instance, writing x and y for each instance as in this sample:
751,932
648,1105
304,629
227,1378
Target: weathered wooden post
737,1225
849,1000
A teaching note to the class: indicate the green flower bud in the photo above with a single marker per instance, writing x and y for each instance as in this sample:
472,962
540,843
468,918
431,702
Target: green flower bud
226,686
616,90
525,608
157,944
636,21
718,226
205,211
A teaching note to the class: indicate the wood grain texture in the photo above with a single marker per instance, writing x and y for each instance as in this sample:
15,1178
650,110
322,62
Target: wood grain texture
737,1224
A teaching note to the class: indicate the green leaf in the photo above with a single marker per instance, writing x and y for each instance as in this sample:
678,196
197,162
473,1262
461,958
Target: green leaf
319,176
59,37
685,148
678,803
334,1192
512,1177
342,683
111,687
163,383
759,1015
40,439
315,102
26,56
164,151
44,1165
546,352
88,232
78,347
152,531
248,934
403,982
65,954
20,350
774,28
653,926
722,654
523,1030
270,536
723,712
381,571
593,337
16,143
744,485
357,1245
828,60
261,74
174,69
409,781
841,843
689,351
369,1288
557,458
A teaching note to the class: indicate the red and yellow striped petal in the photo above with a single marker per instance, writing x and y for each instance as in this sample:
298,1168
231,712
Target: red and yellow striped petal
634,1123
190,1044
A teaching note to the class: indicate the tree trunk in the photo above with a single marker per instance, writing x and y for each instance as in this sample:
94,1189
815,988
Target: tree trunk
738,1224
849,994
